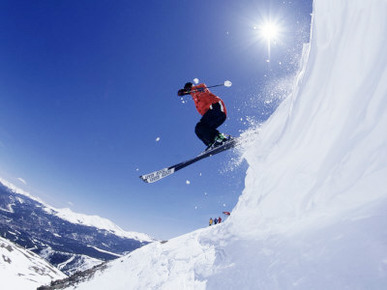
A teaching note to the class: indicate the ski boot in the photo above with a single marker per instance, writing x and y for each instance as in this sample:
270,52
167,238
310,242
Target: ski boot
219,140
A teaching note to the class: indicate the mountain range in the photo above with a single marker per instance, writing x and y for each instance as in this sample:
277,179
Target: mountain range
70,241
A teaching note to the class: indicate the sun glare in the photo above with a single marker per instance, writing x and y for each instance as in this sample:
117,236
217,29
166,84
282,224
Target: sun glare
269,31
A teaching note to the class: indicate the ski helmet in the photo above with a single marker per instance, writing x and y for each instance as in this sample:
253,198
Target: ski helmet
188,86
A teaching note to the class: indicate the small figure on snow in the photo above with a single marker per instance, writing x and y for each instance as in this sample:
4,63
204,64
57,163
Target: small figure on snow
216,221
213,112
219,220
211,221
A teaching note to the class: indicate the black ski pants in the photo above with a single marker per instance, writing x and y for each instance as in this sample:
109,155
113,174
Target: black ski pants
206,128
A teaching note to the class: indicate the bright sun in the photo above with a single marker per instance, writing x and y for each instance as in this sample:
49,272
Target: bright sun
269,31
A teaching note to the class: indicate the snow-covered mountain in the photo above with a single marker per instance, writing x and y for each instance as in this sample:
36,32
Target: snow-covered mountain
70,241
23,269
313,214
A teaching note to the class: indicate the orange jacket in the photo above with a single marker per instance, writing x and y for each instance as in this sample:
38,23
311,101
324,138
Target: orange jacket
203,99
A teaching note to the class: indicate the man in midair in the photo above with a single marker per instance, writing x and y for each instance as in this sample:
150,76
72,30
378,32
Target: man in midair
213,111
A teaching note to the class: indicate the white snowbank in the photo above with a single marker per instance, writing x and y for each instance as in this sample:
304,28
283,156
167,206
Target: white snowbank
325,149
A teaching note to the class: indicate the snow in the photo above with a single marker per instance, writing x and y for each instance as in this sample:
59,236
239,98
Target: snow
98,222
83,263
23,269
17,190
8,209
313,214
156,268
104,251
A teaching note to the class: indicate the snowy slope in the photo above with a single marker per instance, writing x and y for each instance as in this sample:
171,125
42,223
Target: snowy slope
313,214
22,269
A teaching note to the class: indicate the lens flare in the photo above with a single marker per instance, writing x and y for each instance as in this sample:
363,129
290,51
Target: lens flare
270,32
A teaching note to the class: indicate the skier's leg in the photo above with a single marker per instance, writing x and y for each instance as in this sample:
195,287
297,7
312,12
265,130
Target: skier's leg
203,132
215,118
206,129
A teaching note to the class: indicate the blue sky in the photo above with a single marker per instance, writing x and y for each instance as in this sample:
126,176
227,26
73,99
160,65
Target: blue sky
86,88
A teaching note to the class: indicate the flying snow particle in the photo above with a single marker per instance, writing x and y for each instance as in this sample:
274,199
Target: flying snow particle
187,182
157,139
196,81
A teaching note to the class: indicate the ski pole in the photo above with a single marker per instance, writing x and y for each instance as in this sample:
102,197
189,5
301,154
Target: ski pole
183,92
226,84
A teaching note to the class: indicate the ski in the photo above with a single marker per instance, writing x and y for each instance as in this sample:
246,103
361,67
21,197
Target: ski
162,173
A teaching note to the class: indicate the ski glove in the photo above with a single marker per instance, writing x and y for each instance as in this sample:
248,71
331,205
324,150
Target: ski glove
182,92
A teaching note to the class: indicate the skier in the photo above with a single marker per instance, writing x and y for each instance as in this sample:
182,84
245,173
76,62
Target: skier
219,220
210,222
213,113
